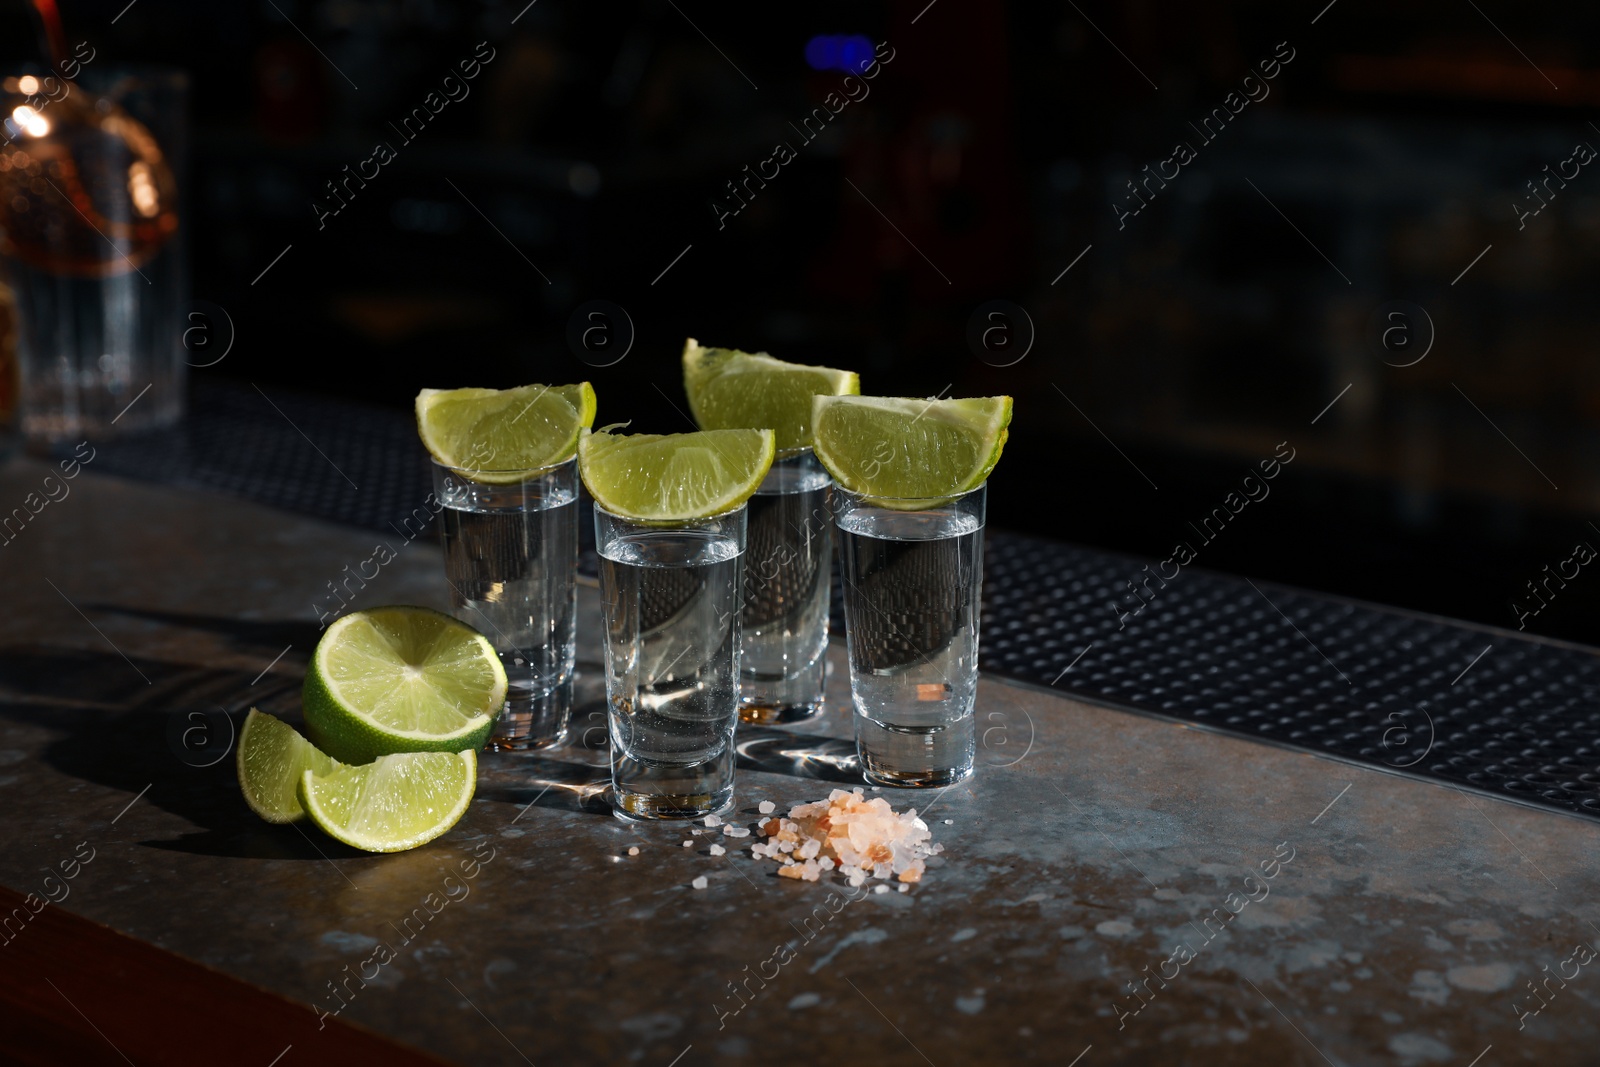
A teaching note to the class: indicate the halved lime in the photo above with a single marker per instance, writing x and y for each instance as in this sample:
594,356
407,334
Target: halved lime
394,803
909,453
401,679
675,476
271,758
497,435
730,390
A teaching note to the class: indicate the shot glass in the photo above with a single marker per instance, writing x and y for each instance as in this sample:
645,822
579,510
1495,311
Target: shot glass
670,598
913,582
784,643
511,558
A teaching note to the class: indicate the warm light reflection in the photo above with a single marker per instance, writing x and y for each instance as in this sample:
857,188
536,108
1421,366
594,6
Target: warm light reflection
30,121
27,85
142,190
582,790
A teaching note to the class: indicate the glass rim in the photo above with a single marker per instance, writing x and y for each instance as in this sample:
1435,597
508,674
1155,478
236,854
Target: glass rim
794,453
928,502
529,471
669,523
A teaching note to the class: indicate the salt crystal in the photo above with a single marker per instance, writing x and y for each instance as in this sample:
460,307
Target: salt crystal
688,844
700,882
949,822
712,820
717,850
905,889
634,851
861,837
766,807
877,788
880,889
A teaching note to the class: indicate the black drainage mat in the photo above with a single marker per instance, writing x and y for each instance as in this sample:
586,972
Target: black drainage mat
1464,705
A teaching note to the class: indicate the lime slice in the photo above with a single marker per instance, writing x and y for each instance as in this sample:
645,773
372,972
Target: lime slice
498,435
401,679
907,453
271,758
392,804
731,390
676,476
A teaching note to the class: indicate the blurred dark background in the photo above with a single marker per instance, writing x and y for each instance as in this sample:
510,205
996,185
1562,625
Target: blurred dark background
1358,230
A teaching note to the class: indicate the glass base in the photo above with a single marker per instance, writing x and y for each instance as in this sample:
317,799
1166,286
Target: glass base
930,779
769,699
915,757
530,721
771,714
659,807
644,791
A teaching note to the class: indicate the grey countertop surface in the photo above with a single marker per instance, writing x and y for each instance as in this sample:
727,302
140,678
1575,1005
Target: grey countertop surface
1326,913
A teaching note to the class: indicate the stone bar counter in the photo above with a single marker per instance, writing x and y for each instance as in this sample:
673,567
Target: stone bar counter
1115,888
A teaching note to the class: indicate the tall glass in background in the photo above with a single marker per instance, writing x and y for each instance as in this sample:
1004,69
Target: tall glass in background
9,383
913,583
89,233
670,596
784,645
511,558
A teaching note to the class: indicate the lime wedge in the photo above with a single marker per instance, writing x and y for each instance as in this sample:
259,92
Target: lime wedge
676,476
401,679
910,453
497,435
271,758
731,390
392,804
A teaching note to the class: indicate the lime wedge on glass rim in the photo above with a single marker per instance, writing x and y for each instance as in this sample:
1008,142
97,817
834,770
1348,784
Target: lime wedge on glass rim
271,757
674,477
401,679
905,453
731,390
497,435
394,803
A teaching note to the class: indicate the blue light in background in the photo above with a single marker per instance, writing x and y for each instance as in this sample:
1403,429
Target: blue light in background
822,53
851,54
855,53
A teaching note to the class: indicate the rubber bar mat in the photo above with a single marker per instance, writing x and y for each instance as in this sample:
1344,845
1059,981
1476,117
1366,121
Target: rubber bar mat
1464,705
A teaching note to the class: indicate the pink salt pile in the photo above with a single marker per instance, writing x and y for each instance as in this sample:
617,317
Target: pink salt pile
859,838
